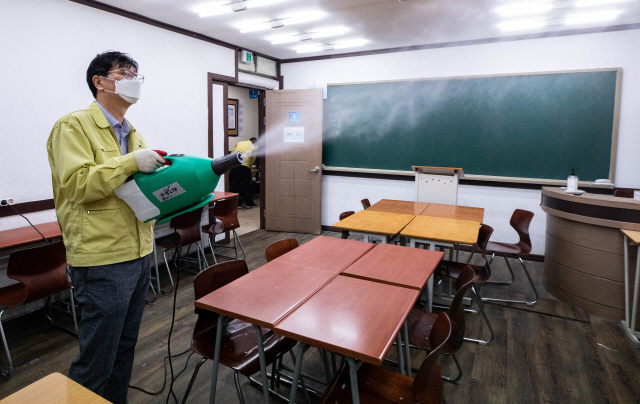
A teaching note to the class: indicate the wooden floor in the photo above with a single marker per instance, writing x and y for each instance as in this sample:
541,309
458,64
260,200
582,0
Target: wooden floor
547,353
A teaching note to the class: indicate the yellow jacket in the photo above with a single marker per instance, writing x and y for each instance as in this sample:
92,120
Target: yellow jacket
87,165
247,148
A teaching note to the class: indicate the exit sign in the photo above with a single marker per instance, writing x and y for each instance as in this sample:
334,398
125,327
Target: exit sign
246,57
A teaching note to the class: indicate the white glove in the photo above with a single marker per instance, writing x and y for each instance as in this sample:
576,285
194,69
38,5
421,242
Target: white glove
148,161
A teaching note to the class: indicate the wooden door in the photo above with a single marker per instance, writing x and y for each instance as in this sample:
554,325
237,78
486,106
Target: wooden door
293,160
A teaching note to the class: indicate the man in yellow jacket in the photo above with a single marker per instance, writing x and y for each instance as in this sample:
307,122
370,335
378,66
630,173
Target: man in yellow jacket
241,175
91,153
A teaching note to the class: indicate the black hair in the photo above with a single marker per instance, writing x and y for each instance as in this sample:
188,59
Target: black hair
103,62
253,139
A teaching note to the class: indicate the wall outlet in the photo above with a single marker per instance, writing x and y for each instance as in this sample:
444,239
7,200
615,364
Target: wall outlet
9,200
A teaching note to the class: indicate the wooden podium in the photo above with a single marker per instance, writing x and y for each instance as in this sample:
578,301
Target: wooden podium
437,184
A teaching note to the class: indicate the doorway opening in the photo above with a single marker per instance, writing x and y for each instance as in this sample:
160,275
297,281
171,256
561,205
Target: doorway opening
244,116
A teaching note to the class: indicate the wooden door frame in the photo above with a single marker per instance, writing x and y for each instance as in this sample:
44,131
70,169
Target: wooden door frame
226,81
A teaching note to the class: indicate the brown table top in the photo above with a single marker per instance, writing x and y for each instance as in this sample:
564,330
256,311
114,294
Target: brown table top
266,294
326,253
25,235
442,229
352,317
369,221
54,389
217,196
632,235
396,265
454,212
402,207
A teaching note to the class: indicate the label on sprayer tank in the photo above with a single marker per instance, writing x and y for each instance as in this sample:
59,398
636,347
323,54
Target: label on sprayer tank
168,192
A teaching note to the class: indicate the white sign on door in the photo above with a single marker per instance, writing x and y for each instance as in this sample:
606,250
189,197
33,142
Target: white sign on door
294,135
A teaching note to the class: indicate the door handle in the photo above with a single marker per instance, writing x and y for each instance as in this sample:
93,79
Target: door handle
315,170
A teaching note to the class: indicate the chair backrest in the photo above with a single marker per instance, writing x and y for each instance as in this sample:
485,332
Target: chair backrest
344,215
483,239
42,270
187,226
623,193
211,279
427,387
365,203
520,221
226,211
456,311
274,250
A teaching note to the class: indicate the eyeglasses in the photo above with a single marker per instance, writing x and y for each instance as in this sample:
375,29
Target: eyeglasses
128,74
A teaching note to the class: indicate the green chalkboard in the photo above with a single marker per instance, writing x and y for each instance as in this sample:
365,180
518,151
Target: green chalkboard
534,126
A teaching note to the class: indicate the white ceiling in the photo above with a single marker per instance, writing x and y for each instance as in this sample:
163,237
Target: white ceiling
383,23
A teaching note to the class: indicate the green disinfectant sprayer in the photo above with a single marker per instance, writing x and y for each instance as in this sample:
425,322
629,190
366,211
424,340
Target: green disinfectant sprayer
185,185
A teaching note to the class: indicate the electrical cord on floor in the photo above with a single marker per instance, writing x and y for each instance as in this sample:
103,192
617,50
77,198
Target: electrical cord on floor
164,383
169,356
173,319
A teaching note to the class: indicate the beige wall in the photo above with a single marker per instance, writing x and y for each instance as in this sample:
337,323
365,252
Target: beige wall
247,115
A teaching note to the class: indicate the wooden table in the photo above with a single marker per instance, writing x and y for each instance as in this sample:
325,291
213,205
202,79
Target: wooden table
26,235
631,312
440,231
402,207
326,253
54,389
454,212
261,298
369,223
396,265
354,317
269,293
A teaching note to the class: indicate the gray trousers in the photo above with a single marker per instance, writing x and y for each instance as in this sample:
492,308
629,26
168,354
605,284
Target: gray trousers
111,300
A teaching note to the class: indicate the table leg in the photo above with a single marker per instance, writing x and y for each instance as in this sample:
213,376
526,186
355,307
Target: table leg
412,243
407,354
216,360
296,373
263,366
400,356
385,239
626,280
634,311
353,376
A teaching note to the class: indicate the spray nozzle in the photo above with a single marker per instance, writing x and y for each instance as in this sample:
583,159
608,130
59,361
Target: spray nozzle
225,163
573,171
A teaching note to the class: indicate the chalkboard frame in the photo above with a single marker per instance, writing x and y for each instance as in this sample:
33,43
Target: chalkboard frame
364,172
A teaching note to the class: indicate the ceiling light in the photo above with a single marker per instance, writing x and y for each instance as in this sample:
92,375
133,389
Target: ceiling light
323,33
280,22
586,18
591,3
229,6
522,8
518,25
328,47
239,6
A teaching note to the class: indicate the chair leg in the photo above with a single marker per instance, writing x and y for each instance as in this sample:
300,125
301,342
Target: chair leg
6,373
215,261
513,277
244,255
526,271
193,378
164,255
155,297
455,379
476,295
201,251
238,388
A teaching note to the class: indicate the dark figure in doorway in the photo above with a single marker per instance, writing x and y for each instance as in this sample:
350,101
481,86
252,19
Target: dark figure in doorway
241,175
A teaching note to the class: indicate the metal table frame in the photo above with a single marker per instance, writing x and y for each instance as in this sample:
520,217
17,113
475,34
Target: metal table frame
353,366
631,313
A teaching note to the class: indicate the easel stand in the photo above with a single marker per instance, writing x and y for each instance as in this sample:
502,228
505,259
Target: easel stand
437,184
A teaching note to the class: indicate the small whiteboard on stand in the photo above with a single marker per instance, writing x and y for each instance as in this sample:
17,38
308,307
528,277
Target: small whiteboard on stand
437,184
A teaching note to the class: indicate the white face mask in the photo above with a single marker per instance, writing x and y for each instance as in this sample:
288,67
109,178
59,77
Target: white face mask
129,90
